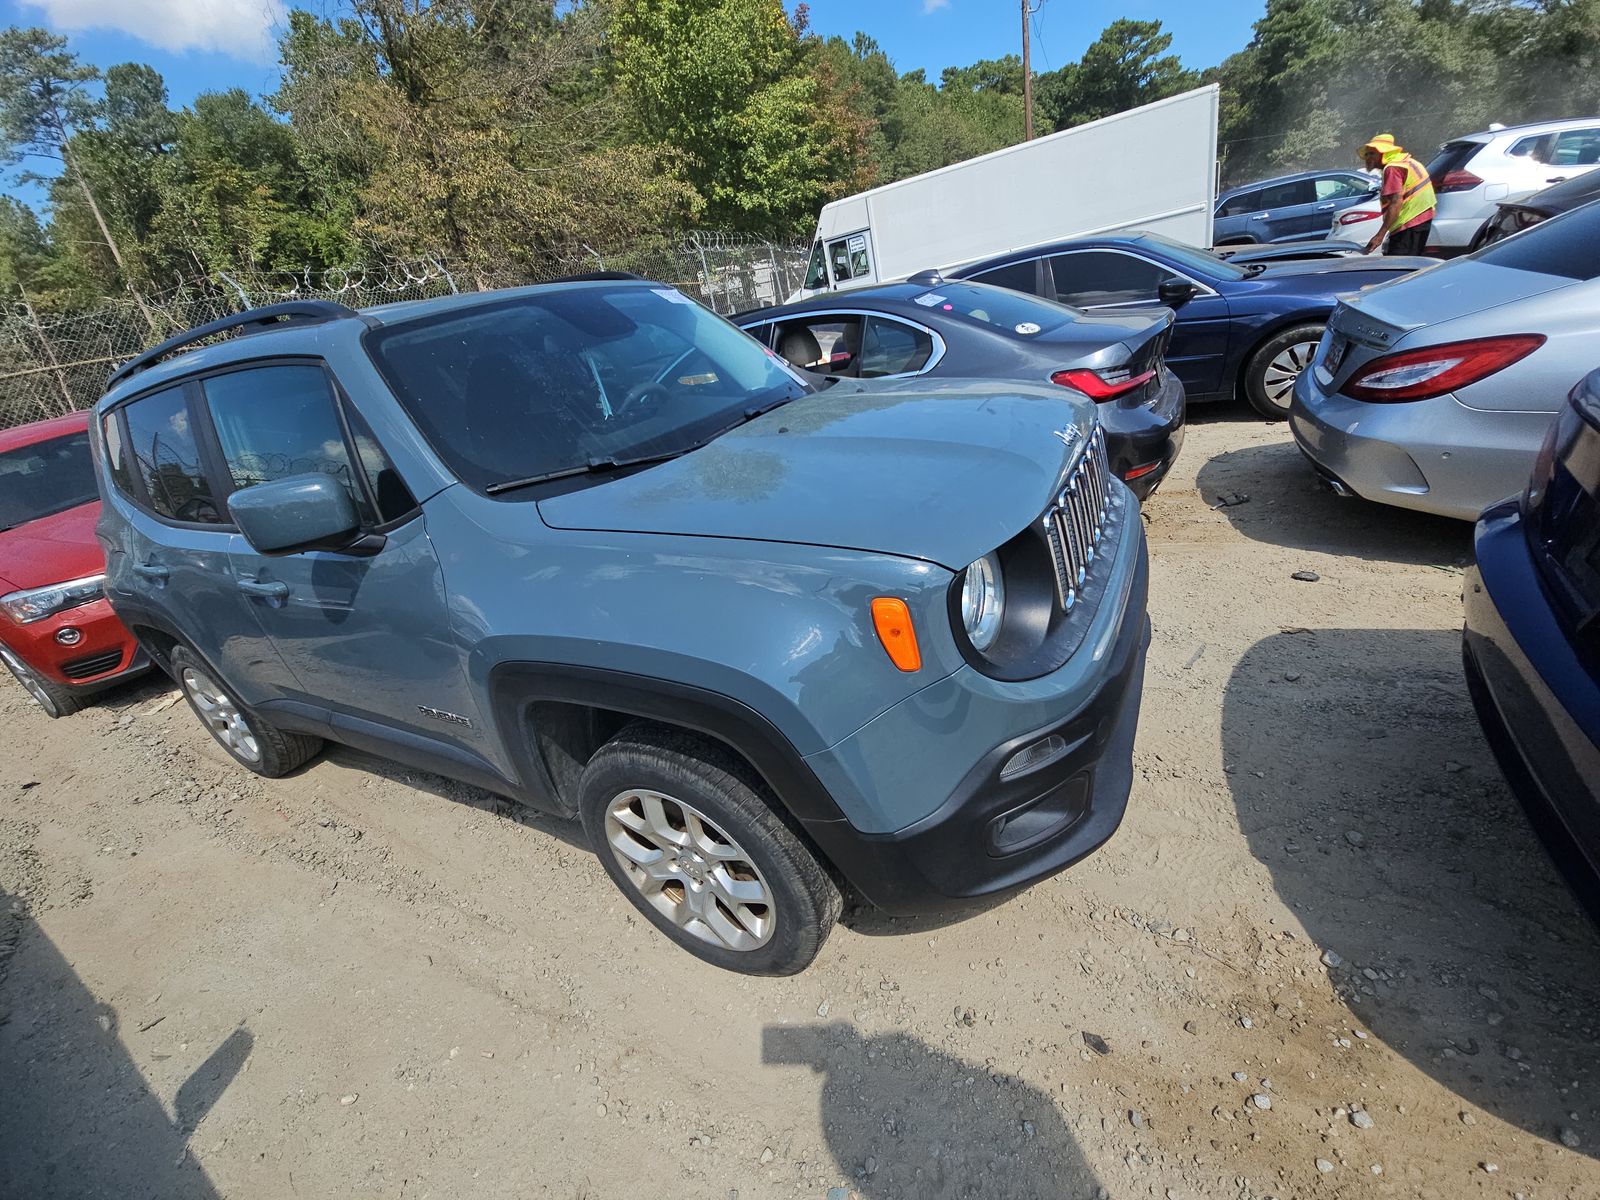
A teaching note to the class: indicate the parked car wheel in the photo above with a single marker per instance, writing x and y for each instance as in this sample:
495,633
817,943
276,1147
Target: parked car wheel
250,740
57,701
683,829
1270,374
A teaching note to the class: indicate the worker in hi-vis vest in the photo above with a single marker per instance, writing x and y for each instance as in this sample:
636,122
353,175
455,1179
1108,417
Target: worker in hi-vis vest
1407,196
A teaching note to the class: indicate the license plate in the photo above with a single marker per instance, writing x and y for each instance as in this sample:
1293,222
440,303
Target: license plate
1338,348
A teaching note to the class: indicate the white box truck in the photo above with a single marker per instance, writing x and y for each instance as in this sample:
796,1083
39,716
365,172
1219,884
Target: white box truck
1151,168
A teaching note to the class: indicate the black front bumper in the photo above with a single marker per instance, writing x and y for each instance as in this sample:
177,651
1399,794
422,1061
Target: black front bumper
995,836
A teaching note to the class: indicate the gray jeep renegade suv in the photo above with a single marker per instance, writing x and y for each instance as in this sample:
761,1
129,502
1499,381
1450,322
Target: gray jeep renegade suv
589,546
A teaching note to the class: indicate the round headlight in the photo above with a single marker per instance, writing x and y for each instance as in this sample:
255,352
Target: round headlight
983,601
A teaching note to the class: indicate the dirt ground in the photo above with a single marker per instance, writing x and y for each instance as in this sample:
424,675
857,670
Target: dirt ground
1324,956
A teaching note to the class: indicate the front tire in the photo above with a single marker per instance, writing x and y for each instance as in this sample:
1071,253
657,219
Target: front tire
56,700
1270,375
683,828
249,739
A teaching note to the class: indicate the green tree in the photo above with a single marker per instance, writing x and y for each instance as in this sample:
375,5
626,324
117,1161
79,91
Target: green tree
1128,65
766,133
44,102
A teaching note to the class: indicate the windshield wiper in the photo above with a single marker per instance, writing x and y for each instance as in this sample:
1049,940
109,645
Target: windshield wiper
598,466
595,466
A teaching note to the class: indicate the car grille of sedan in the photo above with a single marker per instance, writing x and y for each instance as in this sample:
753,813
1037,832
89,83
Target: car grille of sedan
1075,524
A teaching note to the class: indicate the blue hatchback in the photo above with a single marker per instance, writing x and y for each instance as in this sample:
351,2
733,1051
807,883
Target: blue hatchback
1242,329
1532,642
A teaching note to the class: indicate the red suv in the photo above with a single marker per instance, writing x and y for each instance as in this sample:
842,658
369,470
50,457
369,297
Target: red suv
58,635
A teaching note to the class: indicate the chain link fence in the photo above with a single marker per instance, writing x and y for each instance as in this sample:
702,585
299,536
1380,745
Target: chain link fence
53,365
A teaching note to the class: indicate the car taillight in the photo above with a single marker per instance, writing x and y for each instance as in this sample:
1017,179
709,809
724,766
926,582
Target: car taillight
1356,216
1101,386
1457,181
1434,370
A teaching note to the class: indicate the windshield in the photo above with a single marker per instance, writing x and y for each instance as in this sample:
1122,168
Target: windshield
1190,258
998,307
1567,246
557,380
45,478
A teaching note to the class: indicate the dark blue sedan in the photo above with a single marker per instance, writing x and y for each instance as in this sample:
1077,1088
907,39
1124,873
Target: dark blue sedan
1532,642
933,326
1242,330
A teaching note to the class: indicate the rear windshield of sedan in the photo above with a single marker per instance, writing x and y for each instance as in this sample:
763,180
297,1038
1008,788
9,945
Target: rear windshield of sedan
999,308
1568,246
45,478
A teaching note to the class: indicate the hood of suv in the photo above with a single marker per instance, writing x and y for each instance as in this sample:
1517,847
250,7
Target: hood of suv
52,549
944,471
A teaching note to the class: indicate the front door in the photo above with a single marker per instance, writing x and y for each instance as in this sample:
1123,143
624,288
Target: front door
365,634
1108,280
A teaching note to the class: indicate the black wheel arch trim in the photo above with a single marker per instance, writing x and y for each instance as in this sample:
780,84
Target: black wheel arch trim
514,687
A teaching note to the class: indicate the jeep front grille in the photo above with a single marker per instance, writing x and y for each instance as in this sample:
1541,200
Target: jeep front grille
1075,523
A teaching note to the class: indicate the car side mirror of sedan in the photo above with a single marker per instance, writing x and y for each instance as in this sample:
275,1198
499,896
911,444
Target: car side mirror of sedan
1175,293
296,514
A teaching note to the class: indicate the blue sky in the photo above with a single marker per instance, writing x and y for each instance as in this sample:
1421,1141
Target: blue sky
204,45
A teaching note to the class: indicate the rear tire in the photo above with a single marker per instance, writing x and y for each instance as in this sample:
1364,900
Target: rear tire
55,699
684,829
1270,375
250,740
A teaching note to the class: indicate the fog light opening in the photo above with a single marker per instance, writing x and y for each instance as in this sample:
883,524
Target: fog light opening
1030,758
69,636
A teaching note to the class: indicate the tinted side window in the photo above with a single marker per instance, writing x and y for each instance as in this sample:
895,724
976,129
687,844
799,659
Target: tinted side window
394,497
1576,148
1287,195
892,348
826,342
1340,187
1019,277
1238,206
274,422
1088,278
1567,246
166,458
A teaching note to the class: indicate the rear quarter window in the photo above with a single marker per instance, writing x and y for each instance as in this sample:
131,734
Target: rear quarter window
1567,246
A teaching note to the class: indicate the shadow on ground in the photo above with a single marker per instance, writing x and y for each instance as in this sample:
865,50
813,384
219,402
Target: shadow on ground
1270,494
1462,949
904,1120
76,1116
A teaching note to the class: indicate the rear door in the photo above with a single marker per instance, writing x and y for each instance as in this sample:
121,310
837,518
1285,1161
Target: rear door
1286,210
365,634
1109,280
171,556
1335,193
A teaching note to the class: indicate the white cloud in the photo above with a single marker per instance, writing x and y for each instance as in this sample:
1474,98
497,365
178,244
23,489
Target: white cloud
929,6
242,28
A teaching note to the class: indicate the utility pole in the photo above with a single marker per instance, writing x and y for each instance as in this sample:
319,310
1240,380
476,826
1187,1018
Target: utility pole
1027,76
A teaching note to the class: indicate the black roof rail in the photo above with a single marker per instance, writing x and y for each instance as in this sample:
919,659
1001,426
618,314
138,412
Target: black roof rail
291,312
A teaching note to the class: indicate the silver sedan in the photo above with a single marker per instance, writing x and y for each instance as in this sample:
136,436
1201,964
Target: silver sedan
1434,392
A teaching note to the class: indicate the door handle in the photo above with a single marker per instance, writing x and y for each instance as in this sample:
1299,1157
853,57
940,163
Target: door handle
1557,179
1259,216
152,571
267,591
1328,207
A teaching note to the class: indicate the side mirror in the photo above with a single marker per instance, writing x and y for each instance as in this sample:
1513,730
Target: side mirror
295,514
1372,192
1175,293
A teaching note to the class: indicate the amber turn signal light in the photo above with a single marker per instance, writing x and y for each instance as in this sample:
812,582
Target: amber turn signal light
892,619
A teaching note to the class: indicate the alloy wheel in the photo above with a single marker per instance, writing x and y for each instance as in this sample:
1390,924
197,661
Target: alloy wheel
1278,380
690,871
221,715
28,680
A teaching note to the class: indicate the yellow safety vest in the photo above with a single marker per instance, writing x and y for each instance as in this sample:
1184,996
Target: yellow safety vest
1417,196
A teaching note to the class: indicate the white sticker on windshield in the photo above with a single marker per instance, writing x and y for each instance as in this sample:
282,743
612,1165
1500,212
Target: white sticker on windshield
1027,327
928,299
672,294
858,243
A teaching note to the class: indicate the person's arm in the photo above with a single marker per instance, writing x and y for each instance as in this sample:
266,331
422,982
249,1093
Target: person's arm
1390,216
